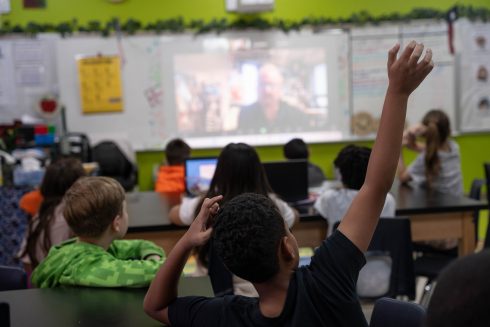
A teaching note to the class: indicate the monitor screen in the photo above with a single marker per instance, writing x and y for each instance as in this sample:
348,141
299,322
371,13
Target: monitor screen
288,179
198,174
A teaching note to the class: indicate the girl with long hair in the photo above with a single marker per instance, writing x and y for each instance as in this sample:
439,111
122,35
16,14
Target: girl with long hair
48,227
438,165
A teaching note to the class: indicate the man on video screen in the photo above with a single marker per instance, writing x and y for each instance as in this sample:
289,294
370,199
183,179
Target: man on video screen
270,113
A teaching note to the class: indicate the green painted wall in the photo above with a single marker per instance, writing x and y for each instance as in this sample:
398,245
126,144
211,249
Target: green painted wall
149,10
475,148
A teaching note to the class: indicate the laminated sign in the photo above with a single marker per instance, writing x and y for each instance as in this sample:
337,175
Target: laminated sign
100,84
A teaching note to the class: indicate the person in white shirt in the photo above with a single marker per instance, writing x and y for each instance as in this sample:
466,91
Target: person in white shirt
351,163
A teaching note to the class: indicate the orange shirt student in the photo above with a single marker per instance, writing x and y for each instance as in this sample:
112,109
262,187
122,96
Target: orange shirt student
31,202
171,177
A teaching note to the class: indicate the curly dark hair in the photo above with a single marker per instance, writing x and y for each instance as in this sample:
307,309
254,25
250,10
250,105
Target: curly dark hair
246,236
352,162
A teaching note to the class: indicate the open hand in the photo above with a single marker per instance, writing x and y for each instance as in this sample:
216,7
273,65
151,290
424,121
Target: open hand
406,72
198,234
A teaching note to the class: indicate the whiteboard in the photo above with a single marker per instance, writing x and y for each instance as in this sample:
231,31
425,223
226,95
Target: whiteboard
154,65
369,78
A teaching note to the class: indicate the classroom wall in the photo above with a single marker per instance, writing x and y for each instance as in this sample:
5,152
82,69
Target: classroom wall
474,147
150,10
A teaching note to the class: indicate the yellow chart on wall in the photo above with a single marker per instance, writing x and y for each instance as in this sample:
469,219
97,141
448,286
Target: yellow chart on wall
100,84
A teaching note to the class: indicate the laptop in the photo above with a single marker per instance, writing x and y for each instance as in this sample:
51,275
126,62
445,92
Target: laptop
288,179
198,174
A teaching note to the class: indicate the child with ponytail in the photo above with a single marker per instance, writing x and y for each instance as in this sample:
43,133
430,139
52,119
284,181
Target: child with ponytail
438,165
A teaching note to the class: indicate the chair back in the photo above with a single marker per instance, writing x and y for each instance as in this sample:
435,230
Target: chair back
113,163
393,237
389,312
12,278
79,146
486,166
475,193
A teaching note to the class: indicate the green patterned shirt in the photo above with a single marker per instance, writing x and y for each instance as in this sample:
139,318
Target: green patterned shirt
77,263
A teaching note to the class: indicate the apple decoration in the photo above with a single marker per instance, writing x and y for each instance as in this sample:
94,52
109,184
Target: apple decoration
48,106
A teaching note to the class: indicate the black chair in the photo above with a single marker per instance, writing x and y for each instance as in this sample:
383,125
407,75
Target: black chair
393,236
432,260
221,278
113,163
389,312
76,145
12,278
486,166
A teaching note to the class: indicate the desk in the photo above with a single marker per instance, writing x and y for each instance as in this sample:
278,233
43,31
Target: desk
435,216
148,219
90,307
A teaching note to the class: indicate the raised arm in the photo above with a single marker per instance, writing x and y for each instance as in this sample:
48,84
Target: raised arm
405,74
163,289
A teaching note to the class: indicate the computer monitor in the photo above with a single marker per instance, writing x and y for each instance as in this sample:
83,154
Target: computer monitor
198,174
288,179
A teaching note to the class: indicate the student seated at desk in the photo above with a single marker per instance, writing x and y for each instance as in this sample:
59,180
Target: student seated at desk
352,164
238,171
297,149
48,226
438,164
255,243
95,209
171,177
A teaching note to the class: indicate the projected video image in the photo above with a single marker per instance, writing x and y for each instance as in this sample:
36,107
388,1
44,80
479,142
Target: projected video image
251,91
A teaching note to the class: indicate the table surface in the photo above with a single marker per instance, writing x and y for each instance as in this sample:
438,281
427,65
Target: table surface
148,211
91,307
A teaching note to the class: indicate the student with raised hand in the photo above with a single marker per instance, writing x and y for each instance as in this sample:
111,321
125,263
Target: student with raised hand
254,243
238,171
438,164
95,209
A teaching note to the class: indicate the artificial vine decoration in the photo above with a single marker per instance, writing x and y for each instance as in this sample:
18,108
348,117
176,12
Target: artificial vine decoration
178,25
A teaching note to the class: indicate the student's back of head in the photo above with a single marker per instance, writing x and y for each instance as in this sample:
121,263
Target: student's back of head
438,130
296,149
461,294
176,152
352,162
238,171
246,235
58,178
91,205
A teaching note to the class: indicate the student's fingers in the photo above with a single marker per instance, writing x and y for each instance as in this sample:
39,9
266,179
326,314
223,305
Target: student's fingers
415,56
392,54
427,58
206,207
407,52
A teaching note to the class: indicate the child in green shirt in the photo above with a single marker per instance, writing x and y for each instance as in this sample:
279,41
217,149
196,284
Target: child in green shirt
95,209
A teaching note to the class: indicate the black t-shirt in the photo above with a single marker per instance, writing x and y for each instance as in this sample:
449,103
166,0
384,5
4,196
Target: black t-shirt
321,294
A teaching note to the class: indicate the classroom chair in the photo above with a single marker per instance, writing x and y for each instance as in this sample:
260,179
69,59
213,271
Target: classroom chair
393,238
389,312
432,261
12,278
114,163
76,145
